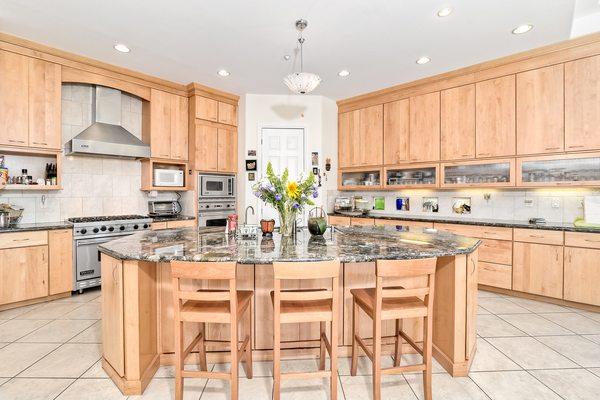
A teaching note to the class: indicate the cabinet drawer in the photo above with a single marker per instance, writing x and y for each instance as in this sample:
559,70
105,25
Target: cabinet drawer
496,275
337,220
23,239
190,223
538,236
482,232
362,221
496,251
580,239
399,222
158,225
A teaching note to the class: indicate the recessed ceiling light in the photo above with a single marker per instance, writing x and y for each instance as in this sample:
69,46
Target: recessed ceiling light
223,72
522,29
444,12
122,48
344,73
423,60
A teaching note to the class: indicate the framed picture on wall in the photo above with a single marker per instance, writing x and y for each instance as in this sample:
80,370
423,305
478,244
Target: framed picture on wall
250,165
314,157
251,176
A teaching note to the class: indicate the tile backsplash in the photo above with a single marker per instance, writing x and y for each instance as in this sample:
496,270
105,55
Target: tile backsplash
560,205
91,185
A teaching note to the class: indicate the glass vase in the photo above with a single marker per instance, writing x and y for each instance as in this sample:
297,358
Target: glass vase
287,221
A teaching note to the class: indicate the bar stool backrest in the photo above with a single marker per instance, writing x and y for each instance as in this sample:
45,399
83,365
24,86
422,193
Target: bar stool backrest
204,271
406,269
305,270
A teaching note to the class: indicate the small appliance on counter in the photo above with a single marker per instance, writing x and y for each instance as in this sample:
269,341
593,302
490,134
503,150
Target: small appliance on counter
164,208
10,215
342,204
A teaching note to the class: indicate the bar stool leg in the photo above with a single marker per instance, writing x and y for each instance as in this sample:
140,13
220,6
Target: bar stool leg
398,345
376,357
322,354
334,351
427,349
234,360
248,355
355,325
202,348
276,349
179,360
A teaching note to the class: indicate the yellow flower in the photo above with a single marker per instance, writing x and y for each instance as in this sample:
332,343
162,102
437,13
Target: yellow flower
292,190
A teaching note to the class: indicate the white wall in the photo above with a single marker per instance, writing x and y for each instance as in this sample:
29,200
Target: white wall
316,114
585,25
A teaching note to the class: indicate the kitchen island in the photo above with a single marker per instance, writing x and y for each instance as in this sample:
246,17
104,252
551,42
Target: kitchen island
137,311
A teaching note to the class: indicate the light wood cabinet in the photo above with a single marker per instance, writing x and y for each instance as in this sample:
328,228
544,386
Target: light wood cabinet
371,136
362,221
424,141
538,269
113,341
349,139
496,275
396,126
582,104
582,274
540,110
168,134
60,267
23,274
338,220
458,123
227,150
495,117
417,225
205,149
14,123
44,105
227,113
496,251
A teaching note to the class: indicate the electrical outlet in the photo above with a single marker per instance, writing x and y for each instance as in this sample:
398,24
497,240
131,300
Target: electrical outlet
555,203
528,203
580,205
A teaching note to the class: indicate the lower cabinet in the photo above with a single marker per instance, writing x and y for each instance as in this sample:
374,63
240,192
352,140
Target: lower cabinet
60,269
397,222
113,345
538,269
338,220
187,223
362,221
23,273
496,275
582,274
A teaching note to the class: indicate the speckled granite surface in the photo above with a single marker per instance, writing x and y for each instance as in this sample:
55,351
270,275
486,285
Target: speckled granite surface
349,244
179,217
555,226
40,226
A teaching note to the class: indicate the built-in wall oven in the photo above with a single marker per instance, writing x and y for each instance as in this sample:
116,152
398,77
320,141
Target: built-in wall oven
216,186
216,199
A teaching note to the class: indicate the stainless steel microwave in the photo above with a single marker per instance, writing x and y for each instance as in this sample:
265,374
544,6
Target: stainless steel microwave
216,185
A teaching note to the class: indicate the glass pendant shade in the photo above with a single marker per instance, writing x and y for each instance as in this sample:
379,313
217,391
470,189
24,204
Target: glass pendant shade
302,82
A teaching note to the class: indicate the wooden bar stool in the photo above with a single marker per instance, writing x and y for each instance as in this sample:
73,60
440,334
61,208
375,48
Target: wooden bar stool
210,306
306,305
395,303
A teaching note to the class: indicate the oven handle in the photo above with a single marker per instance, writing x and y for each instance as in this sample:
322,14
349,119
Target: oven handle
95,241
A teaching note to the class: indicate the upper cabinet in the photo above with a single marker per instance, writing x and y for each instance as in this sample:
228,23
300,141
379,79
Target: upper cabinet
582,104
215,111
168,126
424,138
495,117
227,150
360,137
396,125
215,148
458,123
29,102
540,112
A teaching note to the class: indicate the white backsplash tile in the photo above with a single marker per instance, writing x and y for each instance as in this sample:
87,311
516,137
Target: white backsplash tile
71,207
112,206
92,207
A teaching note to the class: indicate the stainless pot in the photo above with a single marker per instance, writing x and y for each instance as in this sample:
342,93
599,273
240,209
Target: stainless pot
4,220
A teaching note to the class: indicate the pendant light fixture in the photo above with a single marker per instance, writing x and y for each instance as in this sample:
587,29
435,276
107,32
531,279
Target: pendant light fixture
302,82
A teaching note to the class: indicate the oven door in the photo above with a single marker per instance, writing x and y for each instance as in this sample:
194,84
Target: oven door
214,218
87,257
216,186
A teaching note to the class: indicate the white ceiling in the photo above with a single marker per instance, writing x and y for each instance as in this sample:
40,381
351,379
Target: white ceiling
378,41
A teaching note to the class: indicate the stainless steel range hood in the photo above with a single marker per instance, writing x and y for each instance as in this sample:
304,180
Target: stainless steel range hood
106,137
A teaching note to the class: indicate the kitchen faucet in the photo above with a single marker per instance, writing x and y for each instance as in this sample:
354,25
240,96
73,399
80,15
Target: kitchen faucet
246,216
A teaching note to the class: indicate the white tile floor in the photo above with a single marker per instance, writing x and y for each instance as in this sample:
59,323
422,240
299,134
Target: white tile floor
525,350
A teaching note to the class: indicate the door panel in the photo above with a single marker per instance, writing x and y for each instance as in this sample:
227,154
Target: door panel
23,274
424,140
227,150
160,124
206,147
396,127
14,102
44,104
538,269
371,135
582,274
179,127
458,123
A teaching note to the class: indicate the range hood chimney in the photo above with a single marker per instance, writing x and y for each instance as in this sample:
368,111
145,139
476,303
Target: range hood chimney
106,137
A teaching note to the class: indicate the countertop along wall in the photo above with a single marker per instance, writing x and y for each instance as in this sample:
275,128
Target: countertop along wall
91,185
316,114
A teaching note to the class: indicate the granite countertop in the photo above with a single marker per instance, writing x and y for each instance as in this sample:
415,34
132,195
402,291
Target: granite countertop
39,226
349,244
179,217
555,226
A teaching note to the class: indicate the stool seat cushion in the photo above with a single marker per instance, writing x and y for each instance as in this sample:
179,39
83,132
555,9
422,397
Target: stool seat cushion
391,308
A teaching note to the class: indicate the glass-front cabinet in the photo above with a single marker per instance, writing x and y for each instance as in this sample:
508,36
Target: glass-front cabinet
360,179
478,173
413,176
565,170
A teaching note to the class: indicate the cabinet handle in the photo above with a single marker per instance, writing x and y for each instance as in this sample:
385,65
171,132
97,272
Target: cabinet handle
484,154
21,240
537,236
42,143
466,155
569,256
474,266
552,148
15,141
564,183
489,233
575,147
114,275
556,256
592,241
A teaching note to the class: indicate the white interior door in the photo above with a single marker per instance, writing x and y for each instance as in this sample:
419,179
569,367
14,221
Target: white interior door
284,148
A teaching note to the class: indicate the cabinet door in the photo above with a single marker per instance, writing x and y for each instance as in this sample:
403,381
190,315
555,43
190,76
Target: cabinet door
582,104
60,268
160,124
227,114
14,125
396,125
540,110
179,127
23,274
207,109
495,117
582,274
424,143
348,139
538,269
113,335
206,147
371,135
227,150
44,104
458,123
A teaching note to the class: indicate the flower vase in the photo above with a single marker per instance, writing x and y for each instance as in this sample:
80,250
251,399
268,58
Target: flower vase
287,221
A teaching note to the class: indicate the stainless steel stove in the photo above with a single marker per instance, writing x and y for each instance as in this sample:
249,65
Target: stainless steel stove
88,233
